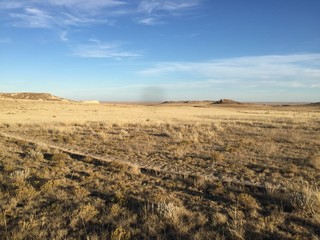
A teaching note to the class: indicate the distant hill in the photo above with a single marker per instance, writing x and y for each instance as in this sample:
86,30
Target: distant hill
226,101
202,103
314,104
32,96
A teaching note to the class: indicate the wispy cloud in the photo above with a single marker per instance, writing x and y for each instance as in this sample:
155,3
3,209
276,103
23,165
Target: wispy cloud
63,36
156,12
33,18
151,6
57,13
150,21
36,18
98,49
294,71
87,5
67,19
65,13
78,4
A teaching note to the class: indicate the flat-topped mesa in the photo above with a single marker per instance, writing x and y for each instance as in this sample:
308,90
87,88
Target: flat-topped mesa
32,96
226,101
187,102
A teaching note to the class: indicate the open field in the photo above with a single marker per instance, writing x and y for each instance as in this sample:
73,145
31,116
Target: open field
168,171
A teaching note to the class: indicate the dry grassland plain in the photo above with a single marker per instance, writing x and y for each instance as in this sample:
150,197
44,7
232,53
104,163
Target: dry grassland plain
70,170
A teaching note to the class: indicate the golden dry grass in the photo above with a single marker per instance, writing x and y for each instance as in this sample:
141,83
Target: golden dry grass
175,171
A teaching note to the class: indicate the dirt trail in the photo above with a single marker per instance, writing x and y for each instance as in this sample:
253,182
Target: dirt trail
154,171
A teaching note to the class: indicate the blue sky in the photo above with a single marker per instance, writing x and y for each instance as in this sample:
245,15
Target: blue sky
117,50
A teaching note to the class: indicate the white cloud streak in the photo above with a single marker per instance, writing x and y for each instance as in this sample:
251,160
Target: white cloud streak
64,36
78,4
286,71
65,13
156,11
85,4
33,18
98,49
37,18
151,6
150,21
